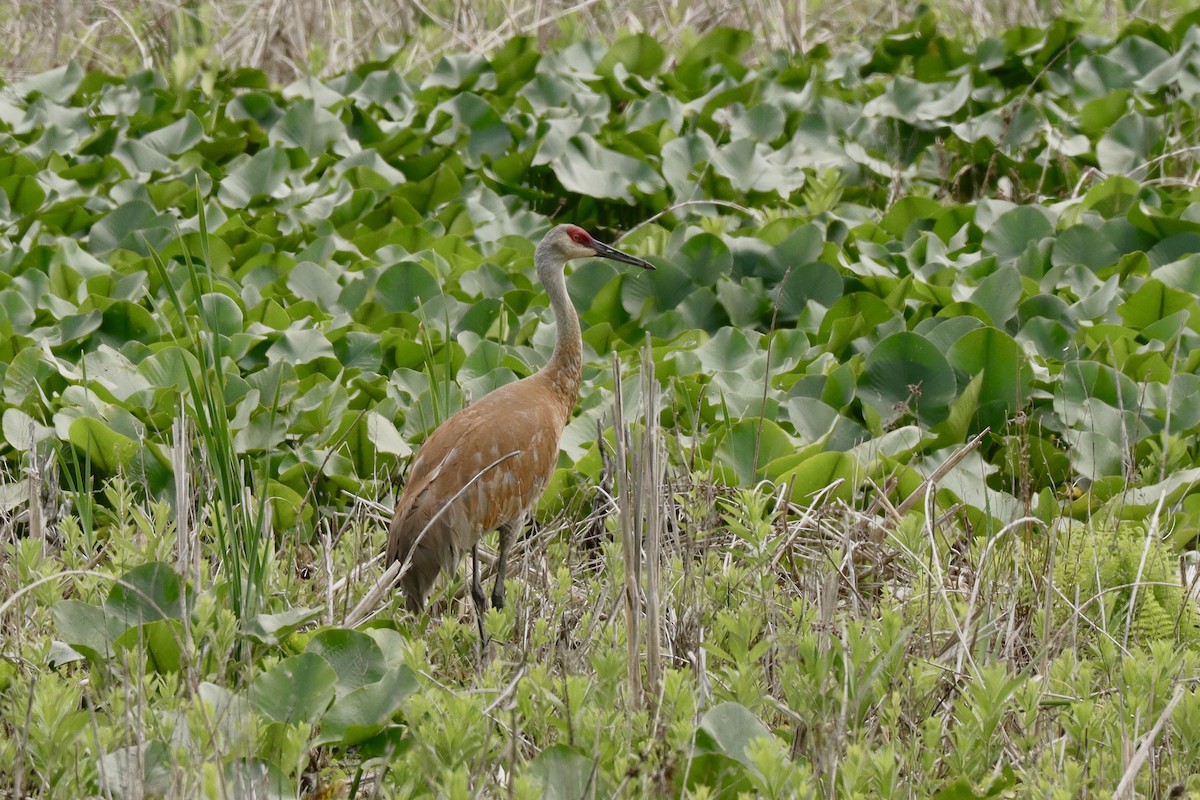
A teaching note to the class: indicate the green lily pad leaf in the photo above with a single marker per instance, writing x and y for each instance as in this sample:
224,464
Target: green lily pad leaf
231,712
919,103
1035,459
86,628
354,656
816,282
458,71
729,351
720,45
897,442
1095,455
130,226
176,138
366,711
999,293
591,170
392,644
300,346
961,419
57,84
288,508
1014,231
905,372
147,593
25,195
1081,244
1085,380
1154,301
16,313
140,159
720,775
488,135
814,419
13,495
943,331
730,729
138,770
823,470
297,689
271,629
740,443
405,287
21,431
31,372
639,54
567,774
170,367
254,777
123,321
159,642
221,314
308,127
260,175
1129,144
853,316
308,281
753,166
109,451
1007,377
1139,502
385,436
442,186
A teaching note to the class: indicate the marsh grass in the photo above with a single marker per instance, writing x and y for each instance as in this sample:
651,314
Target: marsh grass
289,39
240,517
887,652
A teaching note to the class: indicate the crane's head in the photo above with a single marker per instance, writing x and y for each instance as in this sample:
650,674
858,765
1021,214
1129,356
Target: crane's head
565,242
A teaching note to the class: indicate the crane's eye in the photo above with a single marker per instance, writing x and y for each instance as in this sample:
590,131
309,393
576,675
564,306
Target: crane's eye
577,236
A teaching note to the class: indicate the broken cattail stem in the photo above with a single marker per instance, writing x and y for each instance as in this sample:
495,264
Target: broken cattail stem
37,528
630,545
186,545
939,473
650,520
639,477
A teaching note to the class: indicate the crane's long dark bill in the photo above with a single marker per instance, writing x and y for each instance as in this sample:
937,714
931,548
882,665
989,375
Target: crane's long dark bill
604,251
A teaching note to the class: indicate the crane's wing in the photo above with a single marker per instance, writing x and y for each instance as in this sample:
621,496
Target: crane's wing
483,467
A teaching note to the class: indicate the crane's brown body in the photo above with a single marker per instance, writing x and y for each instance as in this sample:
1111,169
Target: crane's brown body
525,418
486,466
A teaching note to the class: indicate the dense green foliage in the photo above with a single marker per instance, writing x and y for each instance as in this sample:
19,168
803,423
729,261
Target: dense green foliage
865,259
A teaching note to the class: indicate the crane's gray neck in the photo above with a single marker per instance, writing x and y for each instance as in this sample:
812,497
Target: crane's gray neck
565,368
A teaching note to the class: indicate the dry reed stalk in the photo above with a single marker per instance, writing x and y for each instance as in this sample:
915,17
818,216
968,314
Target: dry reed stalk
293,39
649,498
187,544
631,548
37,527
639,479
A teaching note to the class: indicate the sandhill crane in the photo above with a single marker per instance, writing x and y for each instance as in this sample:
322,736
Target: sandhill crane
485,467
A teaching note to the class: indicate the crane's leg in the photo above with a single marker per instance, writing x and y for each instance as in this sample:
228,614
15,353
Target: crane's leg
508,535
477,594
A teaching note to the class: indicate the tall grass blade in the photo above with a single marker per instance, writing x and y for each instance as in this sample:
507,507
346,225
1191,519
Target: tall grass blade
238,523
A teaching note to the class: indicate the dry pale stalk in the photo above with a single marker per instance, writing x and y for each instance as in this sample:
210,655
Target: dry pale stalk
1125,787
639,475
187,545
939,473
37,530
630,546
651,520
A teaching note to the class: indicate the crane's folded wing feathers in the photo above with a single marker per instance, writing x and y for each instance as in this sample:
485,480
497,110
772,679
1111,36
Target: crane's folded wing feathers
484,467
